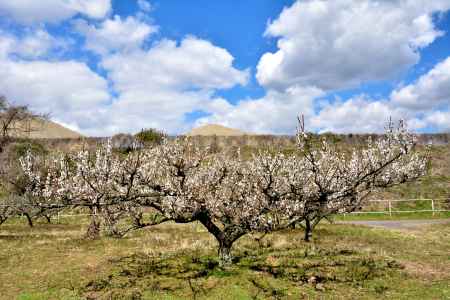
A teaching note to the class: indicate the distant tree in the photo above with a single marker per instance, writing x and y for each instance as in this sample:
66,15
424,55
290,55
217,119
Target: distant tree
150,137
16,121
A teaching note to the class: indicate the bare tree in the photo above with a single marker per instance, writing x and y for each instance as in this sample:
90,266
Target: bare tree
17,121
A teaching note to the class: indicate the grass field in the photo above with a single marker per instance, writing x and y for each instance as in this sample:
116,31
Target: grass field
395,216
173,261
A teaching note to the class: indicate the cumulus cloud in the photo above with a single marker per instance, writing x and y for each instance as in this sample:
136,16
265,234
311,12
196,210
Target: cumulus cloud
7,43
338,44
115,34
424,103
440,120
52,11
33,44
159,86
144,5
430,91
152,87
334,45
68,90
274,113
357,115
192,64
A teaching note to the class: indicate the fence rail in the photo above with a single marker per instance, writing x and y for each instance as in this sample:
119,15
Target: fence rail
433,209
390,210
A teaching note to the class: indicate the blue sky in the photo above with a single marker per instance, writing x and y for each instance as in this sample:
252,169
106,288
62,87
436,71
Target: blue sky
103,67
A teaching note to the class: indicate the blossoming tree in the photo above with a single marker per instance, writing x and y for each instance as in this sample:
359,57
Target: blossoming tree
104,183
229,196
331,179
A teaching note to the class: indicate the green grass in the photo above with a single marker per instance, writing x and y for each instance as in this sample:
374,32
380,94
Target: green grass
395,216
175,261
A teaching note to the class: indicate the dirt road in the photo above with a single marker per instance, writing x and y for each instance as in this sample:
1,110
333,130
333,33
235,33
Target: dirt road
399,224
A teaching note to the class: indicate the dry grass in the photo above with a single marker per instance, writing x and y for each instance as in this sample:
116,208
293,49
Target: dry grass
174,261
46,129
214,129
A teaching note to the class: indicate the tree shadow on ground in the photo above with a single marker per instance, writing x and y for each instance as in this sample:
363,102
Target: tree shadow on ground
194,275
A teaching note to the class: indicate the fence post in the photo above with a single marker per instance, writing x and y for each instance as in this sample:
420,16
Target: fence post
390,208
432,206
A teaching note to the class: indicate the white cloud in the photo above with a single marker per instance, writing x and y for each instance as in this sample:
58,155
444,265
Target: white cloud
145,6
423,104
52,11
96,9
274,113
146,108
36,44
357,115
159,86
193,64
115,34
155,87
68,90
339,44
7,43
430,91
33,44
440,120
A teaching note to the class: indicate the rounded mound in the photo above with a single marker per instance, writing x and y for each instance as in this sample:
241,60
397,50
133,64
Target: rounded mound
215,129
45,129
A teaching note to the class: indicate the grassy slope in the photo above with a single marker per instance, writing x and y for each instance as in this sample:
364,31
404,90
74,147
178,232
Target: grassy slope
174,261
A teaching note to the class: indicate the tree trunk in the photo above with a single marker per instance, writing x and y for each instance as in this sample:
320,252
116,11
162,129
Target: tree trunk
49,220
225,257
225,238
308,230
30,222
93,231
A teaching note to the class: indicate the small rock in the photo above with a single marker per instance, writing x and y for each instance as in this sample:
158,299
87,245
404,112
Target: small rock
312,280
320,287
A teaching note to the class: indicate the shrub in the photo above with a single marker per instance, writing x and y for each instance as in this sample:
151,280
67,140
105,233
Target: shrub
19,149
150,136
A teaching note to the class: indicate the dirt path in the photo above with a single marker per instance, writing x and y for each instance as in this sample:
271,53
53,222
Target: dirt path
399,224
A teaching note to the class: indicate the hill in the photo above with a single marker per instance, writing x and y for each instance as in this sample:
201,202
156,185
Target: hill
45,129
215,129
